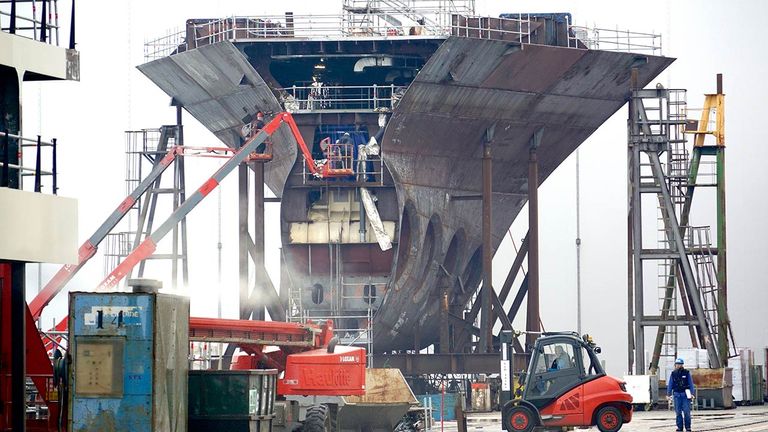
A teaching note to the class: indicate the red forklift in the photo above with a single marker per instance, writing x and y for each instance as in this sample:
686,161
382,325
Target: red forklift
565,386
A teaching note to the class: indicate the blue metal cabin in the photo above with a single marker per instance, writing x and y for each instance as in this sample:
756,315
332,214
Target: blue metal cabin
129,362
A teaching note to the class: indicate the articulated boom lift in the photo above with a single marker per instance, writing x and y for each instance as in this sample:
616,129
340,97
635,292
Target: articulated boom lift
307,340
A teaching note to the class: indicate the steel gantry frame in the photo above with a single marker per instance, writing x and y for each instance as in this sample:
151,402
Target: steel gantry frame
651,122
148,146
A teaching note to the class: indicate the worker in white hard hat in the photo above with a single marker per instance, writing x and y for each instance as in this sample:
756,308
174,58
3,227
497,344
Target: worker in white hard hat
681,389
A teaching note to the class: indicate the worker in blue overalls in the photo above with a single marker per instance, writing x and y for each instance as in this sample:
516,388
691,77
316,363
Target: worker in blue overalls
680,387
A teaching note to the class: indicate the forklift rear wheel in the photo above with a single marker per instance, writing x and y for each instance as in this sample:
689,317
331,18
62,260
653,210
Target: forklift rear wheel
519,419
318,419
609,419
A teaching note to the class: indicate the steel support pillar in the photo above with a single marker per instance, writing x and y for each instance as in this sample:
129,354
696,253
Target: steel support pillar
243,239
182,197
486,325
258,241
630,276
18,340
637,264
723,322
532,316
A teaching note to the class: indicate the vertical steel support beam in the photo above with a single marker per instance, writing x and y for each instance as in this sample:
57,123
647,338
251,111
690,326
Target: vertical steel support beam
175,232
38,164
486,325
182,198
72,27
258,240
12,26
723,323
636,229
44,24
5,141
18,340
630,268
578,246
54,168
532,316
242,177
637,264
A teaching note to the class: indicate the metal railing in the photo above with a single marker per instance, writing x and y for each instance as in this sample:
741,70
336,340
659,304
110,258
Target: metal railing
289,26
174,40
298,26
7,141
506,29
614,40
36,19
341,98
373,175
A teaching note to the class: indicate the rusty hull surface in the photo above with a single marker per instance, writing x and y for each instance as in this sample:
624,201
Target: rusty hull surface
433,146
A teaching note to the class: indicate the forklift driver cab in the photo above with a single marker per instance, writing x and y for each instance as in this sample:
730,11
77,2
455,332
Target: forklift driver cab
554,372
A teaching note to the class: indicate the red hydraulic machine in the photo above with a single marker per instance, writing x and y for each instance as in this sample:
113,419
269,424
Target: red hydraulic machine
39,366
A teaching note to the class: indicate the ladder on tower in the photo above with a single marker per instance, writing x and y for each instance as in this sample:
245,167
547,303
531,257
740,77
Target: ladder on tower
676,175
678,158
705,271
667,275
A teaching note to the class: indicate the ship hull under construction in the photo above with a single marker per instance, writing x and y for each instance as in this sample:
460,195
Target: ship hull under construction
455,90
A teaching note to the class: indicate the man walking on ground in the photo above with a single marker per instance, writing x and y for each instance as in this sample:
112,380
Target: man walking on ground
680,387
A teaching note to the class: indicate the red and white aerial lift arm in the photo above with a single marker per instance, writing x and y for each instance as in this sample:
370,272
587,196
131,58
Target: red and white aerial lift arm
245,153
149,245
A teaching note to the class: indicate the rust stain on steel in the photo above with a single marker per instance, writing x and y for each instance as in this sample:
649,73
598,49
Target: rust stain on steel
532,69
709,378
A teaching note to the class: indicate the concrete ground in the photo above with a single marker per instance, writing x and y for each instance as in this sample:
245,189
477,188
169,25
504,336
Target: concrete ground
746,419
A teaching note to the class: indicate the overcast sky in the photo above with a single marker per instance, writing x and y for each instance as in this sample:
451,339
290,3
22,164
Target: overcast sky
707,37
